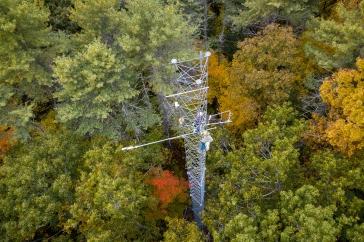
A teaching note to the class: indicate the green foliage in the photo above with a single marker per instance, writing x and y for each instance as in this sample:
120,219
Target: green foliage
298,218
295,12
94,86
106,22
269,158
337,176
25,55
153,34
111,199
340,182
99,68
336,42
37,185
128,48
181,230
59,17
267,164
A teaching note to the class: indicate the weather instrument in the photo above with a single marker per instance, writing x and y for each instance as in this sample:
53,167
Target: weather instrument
187,107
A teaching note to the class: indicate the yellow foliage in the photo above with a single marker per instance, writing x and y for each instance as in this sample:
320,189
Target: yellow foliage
218,76
344,92
268,69
350,4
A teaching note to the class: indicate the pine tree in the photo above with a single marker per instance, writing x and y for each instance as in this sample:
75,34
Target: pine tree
336,42
137,40
298,217
295,12
94,87
26,52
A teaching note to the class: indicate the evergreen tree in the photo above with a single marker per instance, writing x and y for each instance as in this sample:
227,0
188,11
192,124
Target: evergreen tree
59,17
340,182
337,41
95,86
154,33
295,12
26,52
137,41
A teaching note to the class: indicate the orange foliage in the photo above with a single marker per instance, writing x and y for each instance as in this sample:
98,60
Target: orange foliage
5,143
218,76
315,135
168,187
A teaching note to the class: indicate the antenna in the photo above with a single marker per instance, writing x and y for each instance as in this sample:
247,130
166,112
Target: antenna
188,108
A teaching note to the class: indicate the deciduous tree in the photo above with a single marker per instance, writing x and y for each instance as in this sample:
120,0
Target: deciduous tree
37,186
344,92
111,200
267,164
168,187
181,230
266,70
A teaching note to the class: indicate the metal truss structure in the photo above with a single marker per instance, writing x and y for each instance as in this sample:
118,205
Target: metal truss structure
188,111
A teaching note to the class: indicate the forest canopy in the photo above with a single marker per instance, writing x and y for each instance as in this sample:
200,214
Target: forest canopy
80,80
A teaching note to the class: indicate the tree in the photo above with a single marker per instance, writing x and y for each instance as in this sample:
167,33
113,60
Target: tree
105,23
25,57
140,38
218,76
295,12
267,164
154,33
168,187
266,70
181,230
336,42
111,199
59,17
269,155
344,92
37,186
340,182
95,85
297,218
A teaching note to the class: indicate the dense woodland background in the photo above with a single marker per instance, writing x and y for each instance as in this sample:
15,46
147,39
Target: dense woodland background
80,79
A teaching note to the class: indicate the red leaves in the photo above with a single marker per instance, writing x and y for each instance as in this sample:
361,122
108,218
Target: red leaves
5,137
168,187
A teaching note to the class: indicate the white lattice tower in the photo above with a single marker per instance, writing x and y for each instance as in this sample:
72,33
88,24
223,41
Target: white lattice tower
189,110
